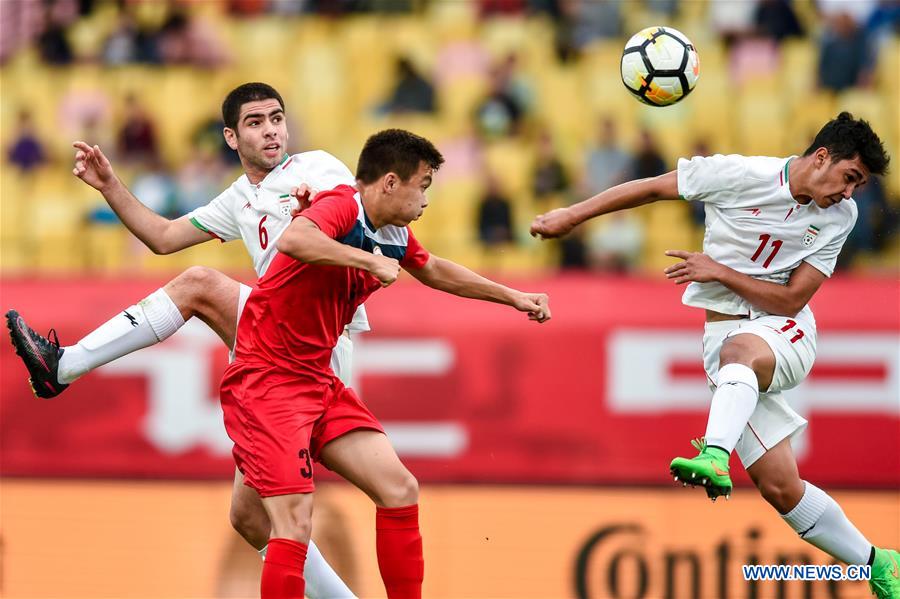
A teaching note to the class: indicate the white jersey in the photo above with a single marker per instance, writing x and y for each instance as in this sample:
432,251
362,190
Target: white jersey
259,214
755,226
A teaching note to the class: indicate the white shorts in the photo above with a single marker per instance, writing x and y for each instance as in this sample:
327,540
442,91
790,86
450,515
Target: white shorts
793,341
341,355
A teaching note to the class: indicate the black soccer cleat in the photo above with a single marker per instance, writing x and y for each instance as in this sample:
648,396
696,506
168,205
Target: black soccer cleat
40,355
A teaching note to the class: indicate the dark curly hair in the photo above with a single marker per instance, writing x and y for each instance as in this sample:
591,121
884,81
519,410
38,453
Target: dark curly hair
846,138
395,151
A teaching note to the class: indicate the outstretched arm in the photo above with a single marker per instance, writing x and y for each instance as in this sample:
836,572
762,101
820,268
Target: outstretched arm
782,300
305,242
450,277
161,235
559,222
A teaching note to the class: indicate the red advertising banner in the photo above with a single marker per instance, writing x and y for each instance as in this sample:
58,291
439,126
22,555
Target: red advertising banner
607,392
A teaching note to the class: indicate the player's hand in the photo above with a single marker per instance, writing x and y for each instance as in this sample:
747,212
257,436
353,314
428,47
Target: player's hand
304,194
537,305
694,267
92,166
556,223
384,269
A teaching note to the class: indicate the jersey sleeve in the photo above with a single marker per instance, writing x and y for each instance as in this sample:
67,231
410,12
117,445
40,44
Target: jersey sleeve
334,212
710,179
322,171
416,255
218,218
825,259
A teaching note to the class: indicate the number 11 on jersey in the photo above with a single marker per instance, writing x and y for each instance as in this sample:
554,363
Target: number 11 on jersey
763,241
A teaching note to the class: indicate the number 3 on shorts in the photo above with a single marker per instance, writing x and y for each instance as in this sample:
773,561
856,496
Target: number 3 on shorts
306,470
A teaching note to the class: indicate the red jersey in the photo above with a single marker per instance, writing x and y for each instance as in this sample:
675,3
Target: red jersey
296,311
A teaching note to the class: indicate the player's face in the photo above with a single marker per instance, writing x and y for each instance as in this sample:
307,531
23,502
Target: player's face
261,135
408,199
833,181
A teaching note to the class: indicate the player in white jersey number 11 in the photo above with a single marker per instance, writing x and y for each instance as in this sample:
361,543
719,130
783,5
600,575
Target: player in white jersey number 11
774,228
257,208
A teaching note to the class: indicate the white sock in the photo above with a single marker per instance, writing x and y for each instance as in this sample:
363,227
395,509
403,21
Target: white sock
321,581
152,320
737,392
821,522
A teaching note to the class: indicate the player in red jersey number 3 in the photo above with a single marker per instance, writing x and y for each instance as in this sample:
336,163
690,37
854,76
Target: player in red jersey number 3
284,407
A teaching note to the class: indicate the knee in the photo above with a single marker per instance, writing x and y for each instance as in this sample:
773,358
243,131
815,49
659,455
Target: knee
194,287
734,351
252,525
197,278
400,492
783,495
296,527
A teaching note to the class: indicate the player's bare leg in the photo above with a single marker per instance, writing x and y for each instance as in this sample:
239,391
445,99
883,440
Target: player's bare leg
746,365
198,291
367,459
291,517
818,519
248,516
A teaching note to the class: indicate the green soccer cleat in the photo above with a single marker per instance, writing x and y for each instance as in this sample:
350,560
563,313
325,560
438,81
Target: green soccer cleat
885,581
709,470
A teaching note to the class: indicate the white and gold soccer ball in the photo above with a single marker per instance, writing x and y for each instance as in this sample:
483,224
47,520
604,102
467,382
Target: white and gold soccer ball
660,66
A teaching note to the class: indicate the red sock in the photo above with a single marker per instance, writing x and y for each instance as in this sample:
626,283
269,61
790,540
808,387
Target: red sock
282,575
399,547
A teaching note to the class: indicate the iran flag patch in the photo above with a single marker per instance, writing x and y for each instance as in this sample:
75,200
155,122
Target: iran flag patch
809,238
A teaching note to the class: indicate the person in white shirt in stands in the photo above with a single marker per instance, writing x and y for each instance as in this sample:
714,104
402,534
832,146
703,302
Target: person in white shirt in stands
774,228
256,209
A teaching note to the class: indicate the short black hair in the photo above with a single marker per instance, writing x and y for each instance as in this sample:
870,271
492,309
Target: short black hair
846,138
248,92
395,151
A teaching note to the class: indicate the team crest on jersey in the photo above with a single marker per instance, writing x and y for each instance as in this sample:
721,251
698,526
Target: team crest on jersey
809,238
284,207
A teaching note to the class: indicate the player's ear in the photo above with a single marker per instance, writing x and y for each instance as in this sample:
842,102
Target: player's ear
822,156
230,137
390,182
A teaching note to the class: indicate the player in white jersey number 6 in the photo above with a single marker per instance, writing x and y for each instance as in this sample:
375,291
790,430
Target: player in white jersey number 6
774,228
256,208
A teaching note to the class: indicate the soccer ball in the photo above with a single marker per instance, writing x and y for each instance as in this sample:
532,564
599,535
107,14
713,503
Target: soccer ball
660,66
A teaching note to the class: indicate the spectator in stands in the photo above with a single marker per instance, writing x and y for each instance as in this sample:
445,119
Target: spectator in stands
648,161
573,253
776,20
876,223
501,8
549,179
412,92
584,21
845,58
210,132
668,8
53,43
503,111
137,137
27,151
201,177
607,164
616,243
732,21
190,40
494,214
156,189
128,43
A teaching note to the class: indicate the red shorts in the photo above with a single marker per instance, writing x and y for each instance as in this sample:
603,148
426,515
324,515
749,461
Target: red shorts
279,422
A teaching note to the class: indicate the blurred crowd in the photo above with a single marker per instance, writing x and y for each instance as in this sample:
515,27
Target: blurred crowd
165,33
